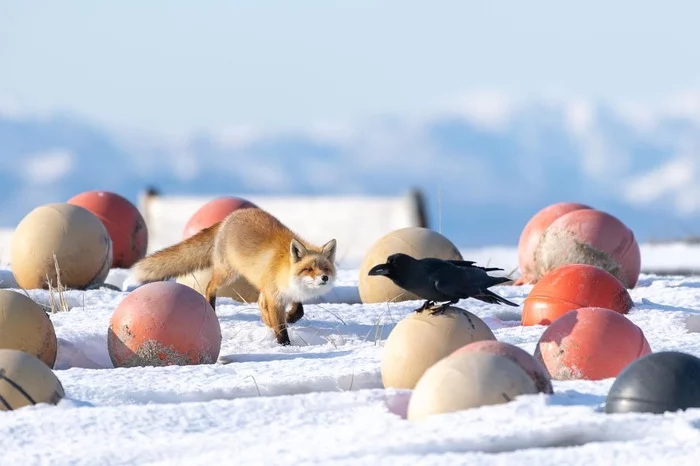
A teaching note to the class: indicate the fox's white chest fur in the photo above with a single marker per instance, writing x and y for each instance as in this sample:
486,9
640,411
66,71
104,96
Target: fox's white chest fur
304,288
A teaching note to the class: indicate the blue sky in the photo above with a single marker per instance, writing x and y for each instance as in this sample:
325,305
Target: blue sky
180,66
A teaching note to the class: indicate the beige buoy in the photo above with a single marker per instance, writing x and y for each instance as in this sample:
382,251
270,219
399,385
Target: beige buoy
468,380
25,381
239,290
26,327
421,339
77,238
415,241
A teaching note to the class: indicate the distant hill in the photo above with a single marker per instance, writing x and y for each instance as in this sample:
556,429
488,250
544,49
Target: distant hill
490,166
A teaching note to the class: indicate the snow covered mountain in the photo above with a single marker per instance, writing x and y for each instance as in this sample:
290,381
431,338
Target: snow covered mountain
489,162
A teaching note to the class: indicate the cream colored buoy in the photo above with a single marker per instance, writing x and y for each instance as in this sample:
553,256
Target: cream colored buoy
415,241
468,380
78,239
25,381
421,339
26,327
239,290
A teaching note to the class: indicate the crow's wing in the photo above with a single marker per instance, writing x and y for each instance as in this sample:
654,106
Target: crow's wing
456,285
469,285
461,263
473,265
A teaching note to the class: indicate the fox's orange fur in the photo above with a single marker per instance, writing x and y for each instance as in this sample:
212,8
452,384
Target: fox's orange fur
254,244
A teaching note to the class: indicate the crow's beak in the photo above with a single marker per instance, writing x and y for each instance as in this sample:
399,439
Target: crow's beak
381,269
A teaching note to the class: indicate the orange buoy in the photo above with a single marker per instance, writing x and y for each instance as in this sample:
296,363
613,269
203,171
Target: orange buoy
591,343
593,237
530,236
123,221
163,323
213,212
534,368
571,287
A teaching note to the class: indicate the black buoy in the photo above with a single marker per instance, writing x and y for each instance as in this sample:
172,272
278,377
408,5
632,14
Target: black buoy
656,383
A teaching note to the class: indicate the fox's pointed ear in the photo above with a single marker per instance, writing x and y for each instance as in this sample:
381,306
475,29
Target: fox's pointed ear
328,250
297,250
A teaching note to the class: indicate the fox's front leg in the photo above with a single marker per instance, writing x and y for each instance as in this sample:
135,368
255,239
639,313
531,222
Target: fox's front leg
295,313
264,310
274,316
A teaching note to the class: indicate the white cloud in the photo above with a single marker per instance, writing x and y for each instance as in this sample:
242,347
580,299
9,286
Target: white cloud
683,105
579,117
489,110
331,132
185,166
601,159
641,117
675,180
237,137
47,167
264,176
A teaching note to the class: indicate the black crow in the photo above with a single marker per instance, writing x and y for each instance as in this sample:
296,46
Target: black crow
439,280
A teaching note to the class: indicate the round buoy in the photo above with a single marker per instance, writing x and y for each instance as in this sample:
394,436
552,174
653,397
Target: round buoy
24,326
25,380
213,212
63,236
666,381
590,343
530,236
589,236
415,241
163,323
468,380
571,287
534,368
123,221
421,339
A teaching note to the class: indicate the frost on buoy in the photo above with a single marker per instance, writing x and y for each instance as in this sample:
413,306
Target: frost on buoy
25,380
416,241
531,234
162,324
421,339
593,237
78,239
468,380
590,343
24,326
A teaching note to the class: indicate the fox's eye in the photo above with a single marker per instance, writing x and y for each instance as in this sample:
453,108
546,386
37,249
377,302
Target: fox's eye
307,269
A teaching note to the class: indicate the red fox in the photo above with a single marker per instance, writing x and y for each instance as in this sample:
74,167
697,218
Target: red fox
254,244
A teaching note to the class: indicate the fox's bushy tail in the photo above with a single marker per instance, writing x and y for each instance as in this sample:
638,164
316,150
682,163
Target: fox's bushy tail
194,253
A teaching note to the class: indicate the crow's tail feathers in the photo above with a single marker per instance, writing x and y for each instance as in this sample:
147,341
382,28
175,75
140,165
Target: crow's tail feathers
493,281
492,298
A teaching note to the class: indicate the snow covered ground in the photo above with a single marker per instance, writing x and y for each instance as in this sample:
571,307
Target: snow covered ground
321,400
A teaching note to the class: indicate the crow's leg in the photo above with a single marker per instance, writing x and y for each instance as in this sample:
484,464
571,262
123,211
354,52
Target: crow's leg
427,304
440,309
